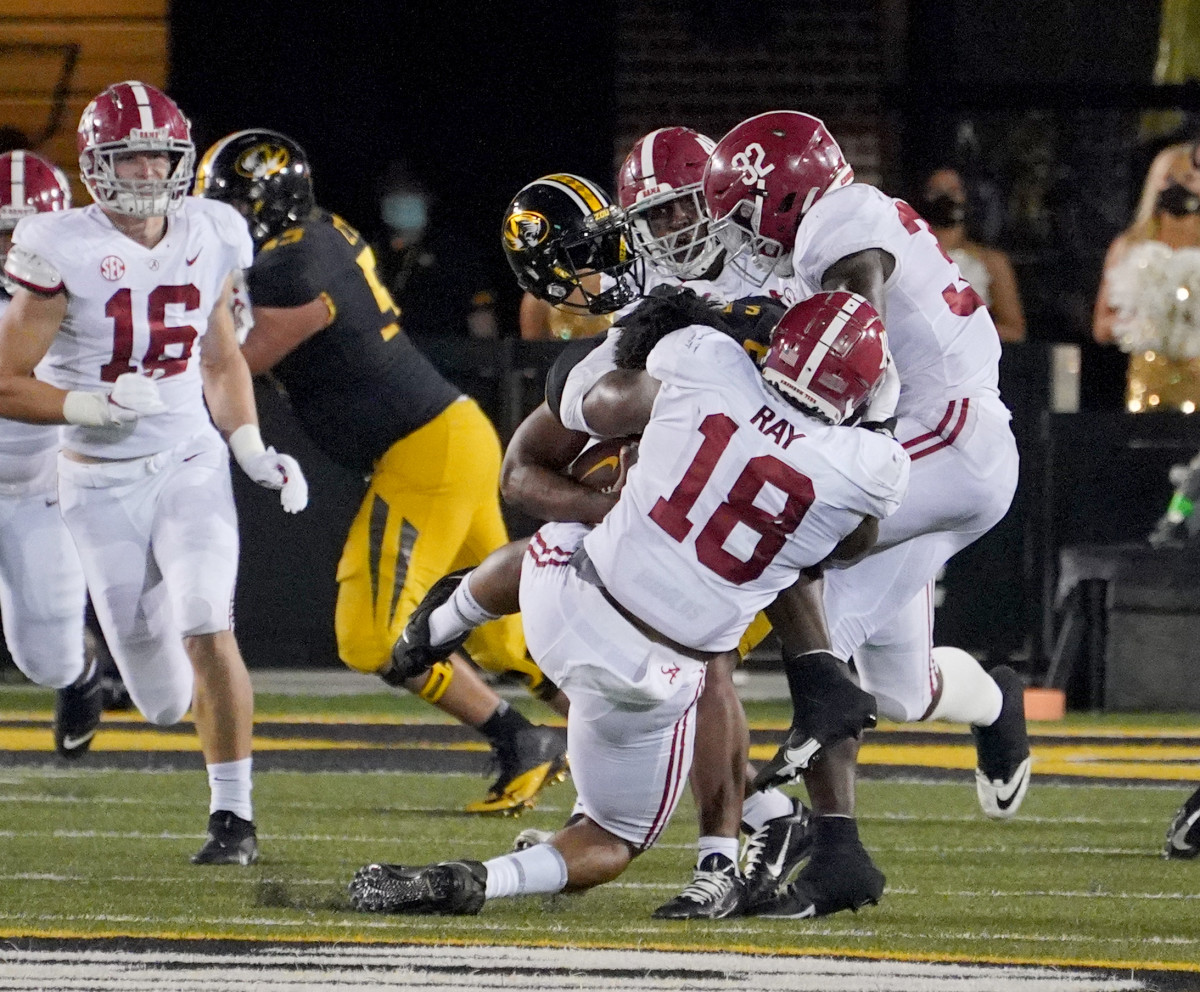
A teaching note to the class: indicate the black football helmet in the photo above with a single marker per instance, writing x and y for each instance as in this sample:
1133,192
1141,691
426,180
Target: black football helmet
559,230
264,174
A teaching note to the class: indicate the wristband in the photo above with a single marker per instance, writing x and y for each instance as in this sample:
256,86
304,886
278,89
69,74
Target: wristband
246,443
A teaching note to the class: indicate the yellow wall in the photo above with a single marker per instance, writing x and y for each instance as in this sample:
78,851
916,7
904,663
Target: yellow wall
112,40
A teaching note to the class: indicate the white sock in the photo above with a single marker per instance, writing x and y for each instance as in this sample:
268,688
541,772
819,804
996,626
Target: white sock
459,614
969,694
763,806
727,846
229,787
536,870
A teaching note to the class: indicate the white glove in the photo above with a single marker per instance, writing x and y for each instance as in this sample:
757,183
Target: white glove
132,396
269,468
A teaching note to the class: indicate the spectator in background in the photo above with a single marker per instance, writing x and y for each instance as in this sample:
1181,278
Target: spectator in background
438,284
943,203
1152,268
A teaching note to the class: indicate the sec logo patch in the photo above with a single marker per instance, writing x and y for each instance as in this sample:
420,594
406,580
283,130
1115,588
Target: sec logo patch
112,268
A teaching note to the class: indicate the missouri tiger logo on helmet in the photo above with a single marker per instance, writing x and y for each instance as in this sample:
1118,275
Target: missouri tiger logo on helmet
568,244
525,229
262,161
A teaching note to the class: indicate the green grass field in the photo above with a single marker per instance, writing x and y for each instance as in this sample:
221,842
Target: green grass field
1077,878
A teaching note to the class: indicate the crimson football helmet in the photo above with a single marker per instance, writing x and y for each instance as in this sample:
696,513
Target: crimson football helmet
827,355
29,184
128,118
765,175
659,187
568,244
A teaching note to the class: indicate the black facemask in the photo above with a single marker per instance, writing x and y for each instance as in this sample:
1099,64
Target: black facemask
1178,201
942,211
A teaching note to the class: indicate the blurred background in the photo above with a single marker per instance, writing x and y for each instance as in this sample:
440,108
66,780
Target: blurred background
423,119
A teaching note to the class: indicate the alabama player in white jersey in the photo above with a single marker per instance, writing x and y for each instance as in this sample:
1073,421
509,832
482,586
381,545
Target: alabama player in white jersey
659,184
123,308
779,186
736,490
42,591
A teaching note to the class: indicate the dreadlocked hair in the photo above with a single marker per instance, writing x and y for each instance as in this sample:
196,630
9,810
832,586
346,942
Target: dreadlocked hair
666,309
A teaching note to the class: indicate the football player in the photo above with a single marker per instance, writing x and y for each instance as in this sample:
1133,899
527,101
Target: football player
574,212
784,200
41,595
329,332
123,308
744,479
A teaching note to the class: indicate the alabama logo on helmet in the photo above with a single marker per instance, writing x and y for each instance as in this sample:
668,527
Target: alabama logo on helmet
525,229
262,161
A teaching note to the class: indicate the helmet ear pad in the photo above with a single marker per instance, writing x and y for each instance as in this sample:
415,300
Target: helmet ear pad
265,175
827,355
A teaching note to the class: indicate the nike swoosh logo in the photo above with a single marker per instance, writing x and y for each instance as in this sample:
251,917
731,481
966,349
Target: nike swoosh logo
775,868
194,257
801,756
1179,837
71,743
1003,802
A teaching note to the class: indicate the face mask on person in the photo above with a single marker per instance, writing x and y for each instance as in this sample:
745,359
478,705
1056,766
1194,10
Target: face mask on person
1178,201
942,211
405,213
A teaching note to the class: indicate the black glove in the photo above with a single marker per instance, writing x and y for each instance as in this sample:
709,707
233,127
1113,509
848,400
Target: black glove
827,707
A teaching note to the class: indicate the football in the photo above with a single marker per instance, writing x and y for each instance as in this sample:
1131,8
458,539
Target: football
598,466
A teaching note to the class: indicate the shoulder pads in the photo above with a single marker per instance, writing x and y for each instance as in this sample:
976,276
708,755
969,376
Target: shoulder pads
32,272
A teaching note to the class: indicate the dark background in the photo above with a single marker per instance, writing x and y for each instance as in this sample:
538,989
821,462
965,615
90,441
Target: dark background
477,98
1040,105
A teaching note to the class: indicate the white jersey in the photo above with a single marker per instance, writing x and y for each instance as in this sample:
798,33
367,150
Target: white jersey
27,451
735,490
941,336
729,285
137,309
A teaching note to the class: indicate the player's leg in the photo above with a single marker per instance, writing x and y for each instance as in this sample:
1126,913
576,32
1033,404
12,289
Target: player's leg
408,534
631,724
911,680
42,593
195,543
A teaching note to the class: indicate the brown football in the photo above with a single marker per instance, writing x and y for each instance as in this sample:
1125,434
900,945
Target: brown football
598,466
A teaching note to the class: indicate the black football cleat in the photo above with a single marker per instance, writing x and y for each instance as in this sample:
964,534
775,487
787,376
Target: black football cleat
1002,773
449,888
839,875
231,841
717,891
413,653
1183,835
534,758
774,852
77,711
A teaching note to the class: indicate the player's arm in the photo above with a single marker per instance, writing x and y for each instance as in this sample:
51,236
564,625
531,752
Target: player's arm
278,331
620,402
864,273
1104,314
229,392
27,329
227,386
532,479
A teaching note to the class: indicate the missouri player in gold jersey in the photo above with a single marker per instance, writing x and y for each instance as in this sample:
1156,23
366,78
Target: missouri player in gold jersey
329,332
